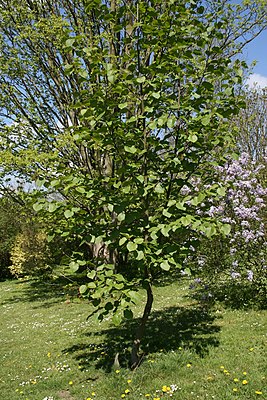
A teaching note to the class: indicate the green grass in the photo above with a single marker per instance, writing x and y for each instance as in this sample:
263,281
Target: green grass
49,349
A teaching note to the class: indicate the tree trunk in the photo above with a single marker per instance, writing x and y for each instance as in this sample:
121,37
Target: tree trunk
135,357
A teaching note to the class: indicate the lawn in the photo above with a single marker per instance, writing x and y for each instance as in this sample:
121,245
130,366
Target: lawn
49,350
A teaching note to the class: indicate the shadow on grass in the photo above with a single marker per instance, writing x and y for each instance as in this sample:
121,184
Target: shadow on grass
167,330
47,291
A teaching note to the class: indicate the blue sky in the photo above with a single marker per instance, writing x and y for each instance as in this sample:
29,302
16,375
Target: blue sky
257,50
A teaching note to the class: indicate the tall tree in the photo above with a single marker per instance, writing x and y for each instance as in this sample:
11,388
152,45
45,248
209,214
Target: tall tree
118,107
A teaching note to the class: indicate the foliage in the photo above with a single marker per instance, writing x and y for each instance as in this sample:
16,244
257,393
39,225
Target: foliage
115,107
30,254
238,262
10,213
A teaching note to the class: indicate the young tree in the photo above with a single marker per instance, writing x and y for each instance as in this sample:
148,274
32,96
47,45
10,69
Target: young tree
117,107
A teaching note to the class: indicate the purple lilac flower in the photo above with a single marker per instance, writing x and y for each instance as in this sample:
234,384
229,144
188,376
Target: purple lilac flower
235,275
250,275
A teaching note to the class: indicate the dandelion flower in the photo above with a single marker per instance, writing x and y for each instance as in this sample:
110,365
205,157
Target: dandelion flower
244,382
129,381
235,389
123,395
166,388
147,395
127,391
236,380
70,383
244,373
117,371
189,365
258,392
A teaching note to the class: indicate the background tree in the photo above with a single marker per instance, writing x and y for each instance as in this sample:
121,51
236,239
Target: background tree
117,107
251,123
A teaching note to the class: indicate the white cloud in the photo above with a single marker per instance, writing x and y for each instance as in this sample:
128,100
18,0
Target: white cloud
257,80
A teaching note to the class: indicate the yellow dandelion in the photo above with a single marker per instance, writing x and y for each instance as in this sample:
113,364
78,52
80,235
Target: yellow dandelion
251,349
156,398
129,381
147,395
222,367
189,365
258,392
126,391
225,371
88,398
235,390
93,393
70,383
165,388
117,371
244,382
49,354
244,373
123,395
236,380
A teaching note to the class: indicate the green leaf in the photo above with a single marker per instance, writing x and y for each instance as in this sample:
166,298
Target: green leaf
80,189
156,95
139,240
221,191
38,206
165,265
165,231
130,149
122,241
185,221
68,213
52,207
141,79
91,274
117,318
166,213
205,120
192,138
91,285
225,229
121,216
171,122
83,289
140,255
131,246
123,105
159,189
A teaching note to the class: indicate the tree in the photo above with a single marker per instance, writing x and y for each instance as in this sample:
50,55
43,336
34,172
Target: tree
117,107
251,124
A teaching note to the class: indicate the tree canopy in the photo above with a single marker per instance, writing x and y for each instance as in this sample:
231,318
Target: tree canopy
115,109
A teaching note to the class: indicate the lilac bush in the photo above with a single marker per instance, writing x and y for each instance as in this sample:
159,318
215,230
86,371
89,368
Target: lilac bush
238,260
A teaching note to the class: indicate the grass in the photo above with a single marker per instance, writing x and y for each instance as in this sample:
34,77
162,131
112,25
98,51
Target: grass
49,350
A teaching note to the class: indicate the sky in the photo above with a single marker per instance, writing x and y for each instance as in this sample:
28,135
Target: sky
257,50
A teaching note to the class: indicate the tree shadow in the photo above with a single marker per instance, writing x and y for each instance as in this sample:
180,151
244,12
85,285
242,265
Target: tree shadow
47,291
167,330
